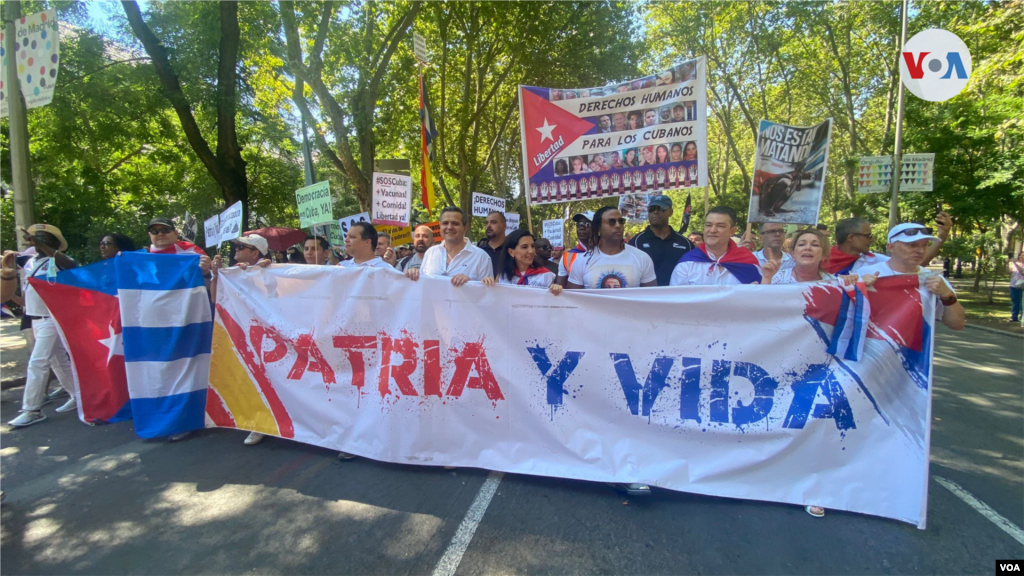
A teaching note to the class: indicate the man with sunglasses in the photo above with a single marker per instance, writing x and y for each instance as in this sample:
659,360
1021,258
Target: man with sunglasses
583,244
908,246
611,257
664,245
852,249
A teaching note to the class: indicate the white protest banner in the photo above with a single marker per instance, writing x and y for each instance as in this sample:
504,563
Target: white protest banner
231,222
644,135
554,231
37,59
917,172
211,231
315,204
511,222
502,378
484,204
874,175
789,172
391,199
347,222
189,227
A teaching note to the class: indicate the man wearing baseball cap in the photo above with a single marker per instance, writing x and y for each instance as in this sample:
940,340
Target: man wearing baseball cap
583,222
908,244
664,245
49,351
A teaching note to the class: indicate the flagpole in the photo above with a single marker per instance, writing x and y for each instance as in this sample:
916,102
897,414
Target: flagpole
526,170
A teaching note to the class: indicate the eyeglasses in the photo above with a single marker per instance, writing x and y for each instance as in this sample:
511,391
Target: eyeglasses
161,230
614,221
105,243
868,236
911,232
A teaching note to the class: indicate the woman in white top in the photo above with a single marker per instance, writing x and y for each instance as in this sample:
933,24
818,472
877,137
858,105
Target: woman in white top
516,265
809,249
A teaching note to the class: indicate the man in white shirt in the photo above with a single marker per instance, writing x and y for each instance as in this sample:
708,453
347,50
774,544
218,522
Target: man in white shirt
49,351
361,245
908,246
456,258
612,263
719,261
773,235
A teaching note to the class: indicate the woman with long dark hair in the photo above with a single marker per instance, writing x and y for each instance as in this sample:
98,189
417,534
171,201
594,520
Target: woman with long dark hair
113,243
516,265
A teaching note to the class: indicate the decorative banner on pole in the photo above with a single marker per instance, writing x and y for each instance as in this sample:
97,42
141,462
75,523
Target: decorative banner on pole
874,175
789,172
646,135
211,231
315,204
732,418
917,172
231,222
391,195
554,231
484,204
188,227
37,59
511,222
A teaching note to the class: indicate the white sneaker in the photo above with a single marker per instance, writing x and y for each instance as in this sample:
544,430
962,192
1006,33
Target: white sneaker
345,456
253,438
57,392
28,418
68,406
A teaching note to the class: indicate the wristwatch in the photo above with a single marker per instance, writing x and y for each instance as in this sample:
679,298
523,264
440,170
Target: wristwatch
949,300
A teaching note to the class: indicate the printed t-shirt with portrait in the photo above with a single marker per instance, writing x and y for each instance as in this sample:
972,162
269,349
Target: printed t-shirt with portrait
628,269
884,269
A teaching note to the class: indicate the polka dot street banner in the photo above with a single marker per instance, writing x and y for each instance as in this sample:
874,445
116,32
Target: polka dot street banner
37,59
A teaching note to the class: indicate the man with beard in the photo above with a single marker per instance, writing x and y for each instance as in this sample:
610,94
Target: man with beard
664,245
422,239
495,232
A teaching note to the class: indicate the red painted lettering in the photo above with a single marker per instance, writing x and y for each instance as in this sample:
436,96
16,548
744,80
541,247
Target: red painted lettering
306,348
407,348
432,368
257,332
472,356
353,347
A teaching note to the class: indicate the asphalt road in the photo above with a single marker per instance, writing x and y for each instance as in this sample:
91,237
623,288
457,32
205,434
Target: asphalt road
98,500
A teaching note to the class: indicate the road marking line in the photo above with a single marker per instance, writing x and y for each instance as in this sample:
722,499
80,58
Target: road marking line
983,509
464,535
970,364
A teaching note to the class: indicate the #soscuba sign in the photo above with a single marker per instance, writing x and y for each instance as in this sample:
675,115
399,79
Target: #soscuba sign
643,135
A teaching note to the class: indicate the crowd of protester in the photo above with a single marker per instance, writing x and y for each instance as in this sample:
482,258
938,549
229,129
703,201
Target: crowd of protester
601,258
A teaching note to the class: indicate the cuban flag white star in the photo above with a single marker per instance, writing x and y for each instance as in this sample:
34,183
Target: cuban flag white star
545,131
113,343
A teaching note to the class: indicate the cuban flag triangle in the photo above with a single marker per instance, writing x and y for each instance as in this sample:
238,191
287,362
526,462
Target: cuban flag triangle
167,328
84,304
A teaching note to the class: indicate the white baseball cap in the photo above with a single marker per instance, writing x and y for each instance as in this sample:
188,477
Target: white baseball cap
257,242
588,216
910,232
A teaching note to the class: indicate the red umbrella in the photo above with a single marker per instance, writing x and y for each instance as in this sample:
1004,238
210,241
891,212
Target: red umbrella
279,239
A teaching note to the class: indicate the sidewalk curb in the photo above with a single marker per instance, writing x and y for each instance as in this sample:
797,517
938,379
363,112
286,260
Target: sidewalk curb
994,331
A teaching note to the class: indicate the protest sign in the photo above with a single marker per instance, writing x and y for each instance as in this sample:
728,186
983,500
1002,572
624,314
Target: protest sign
419,48
38,59
211,231
789,172
634,206
554,231
874,175
347,222
231,222
484,204
917,172
399,234
391,194
315,204
188,227
511,222
731,418
644,135
435,227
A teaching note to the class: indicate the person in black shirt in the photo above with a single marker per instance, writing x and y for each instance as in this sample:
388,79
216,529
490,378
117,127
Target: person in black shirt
664,245
495,232
543,248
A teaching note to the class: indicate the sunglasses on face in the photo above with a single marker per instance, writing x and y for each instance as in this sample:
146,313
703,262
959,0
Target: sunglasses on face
243,247
614,221
583,224
651,209
868,236
105,243
158,231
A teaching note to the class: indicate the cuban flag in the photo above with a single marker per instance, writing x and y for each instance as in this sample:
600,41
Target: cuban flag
84,304
851,327
167,329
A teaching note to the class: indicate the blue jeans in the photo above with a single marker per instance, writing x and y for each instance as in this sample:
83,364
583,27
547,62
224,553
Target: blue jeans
1015,298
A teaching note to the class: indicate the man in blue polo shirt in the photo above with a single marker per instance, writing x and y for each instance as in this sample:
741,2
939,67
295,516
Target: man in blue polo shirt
664,245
